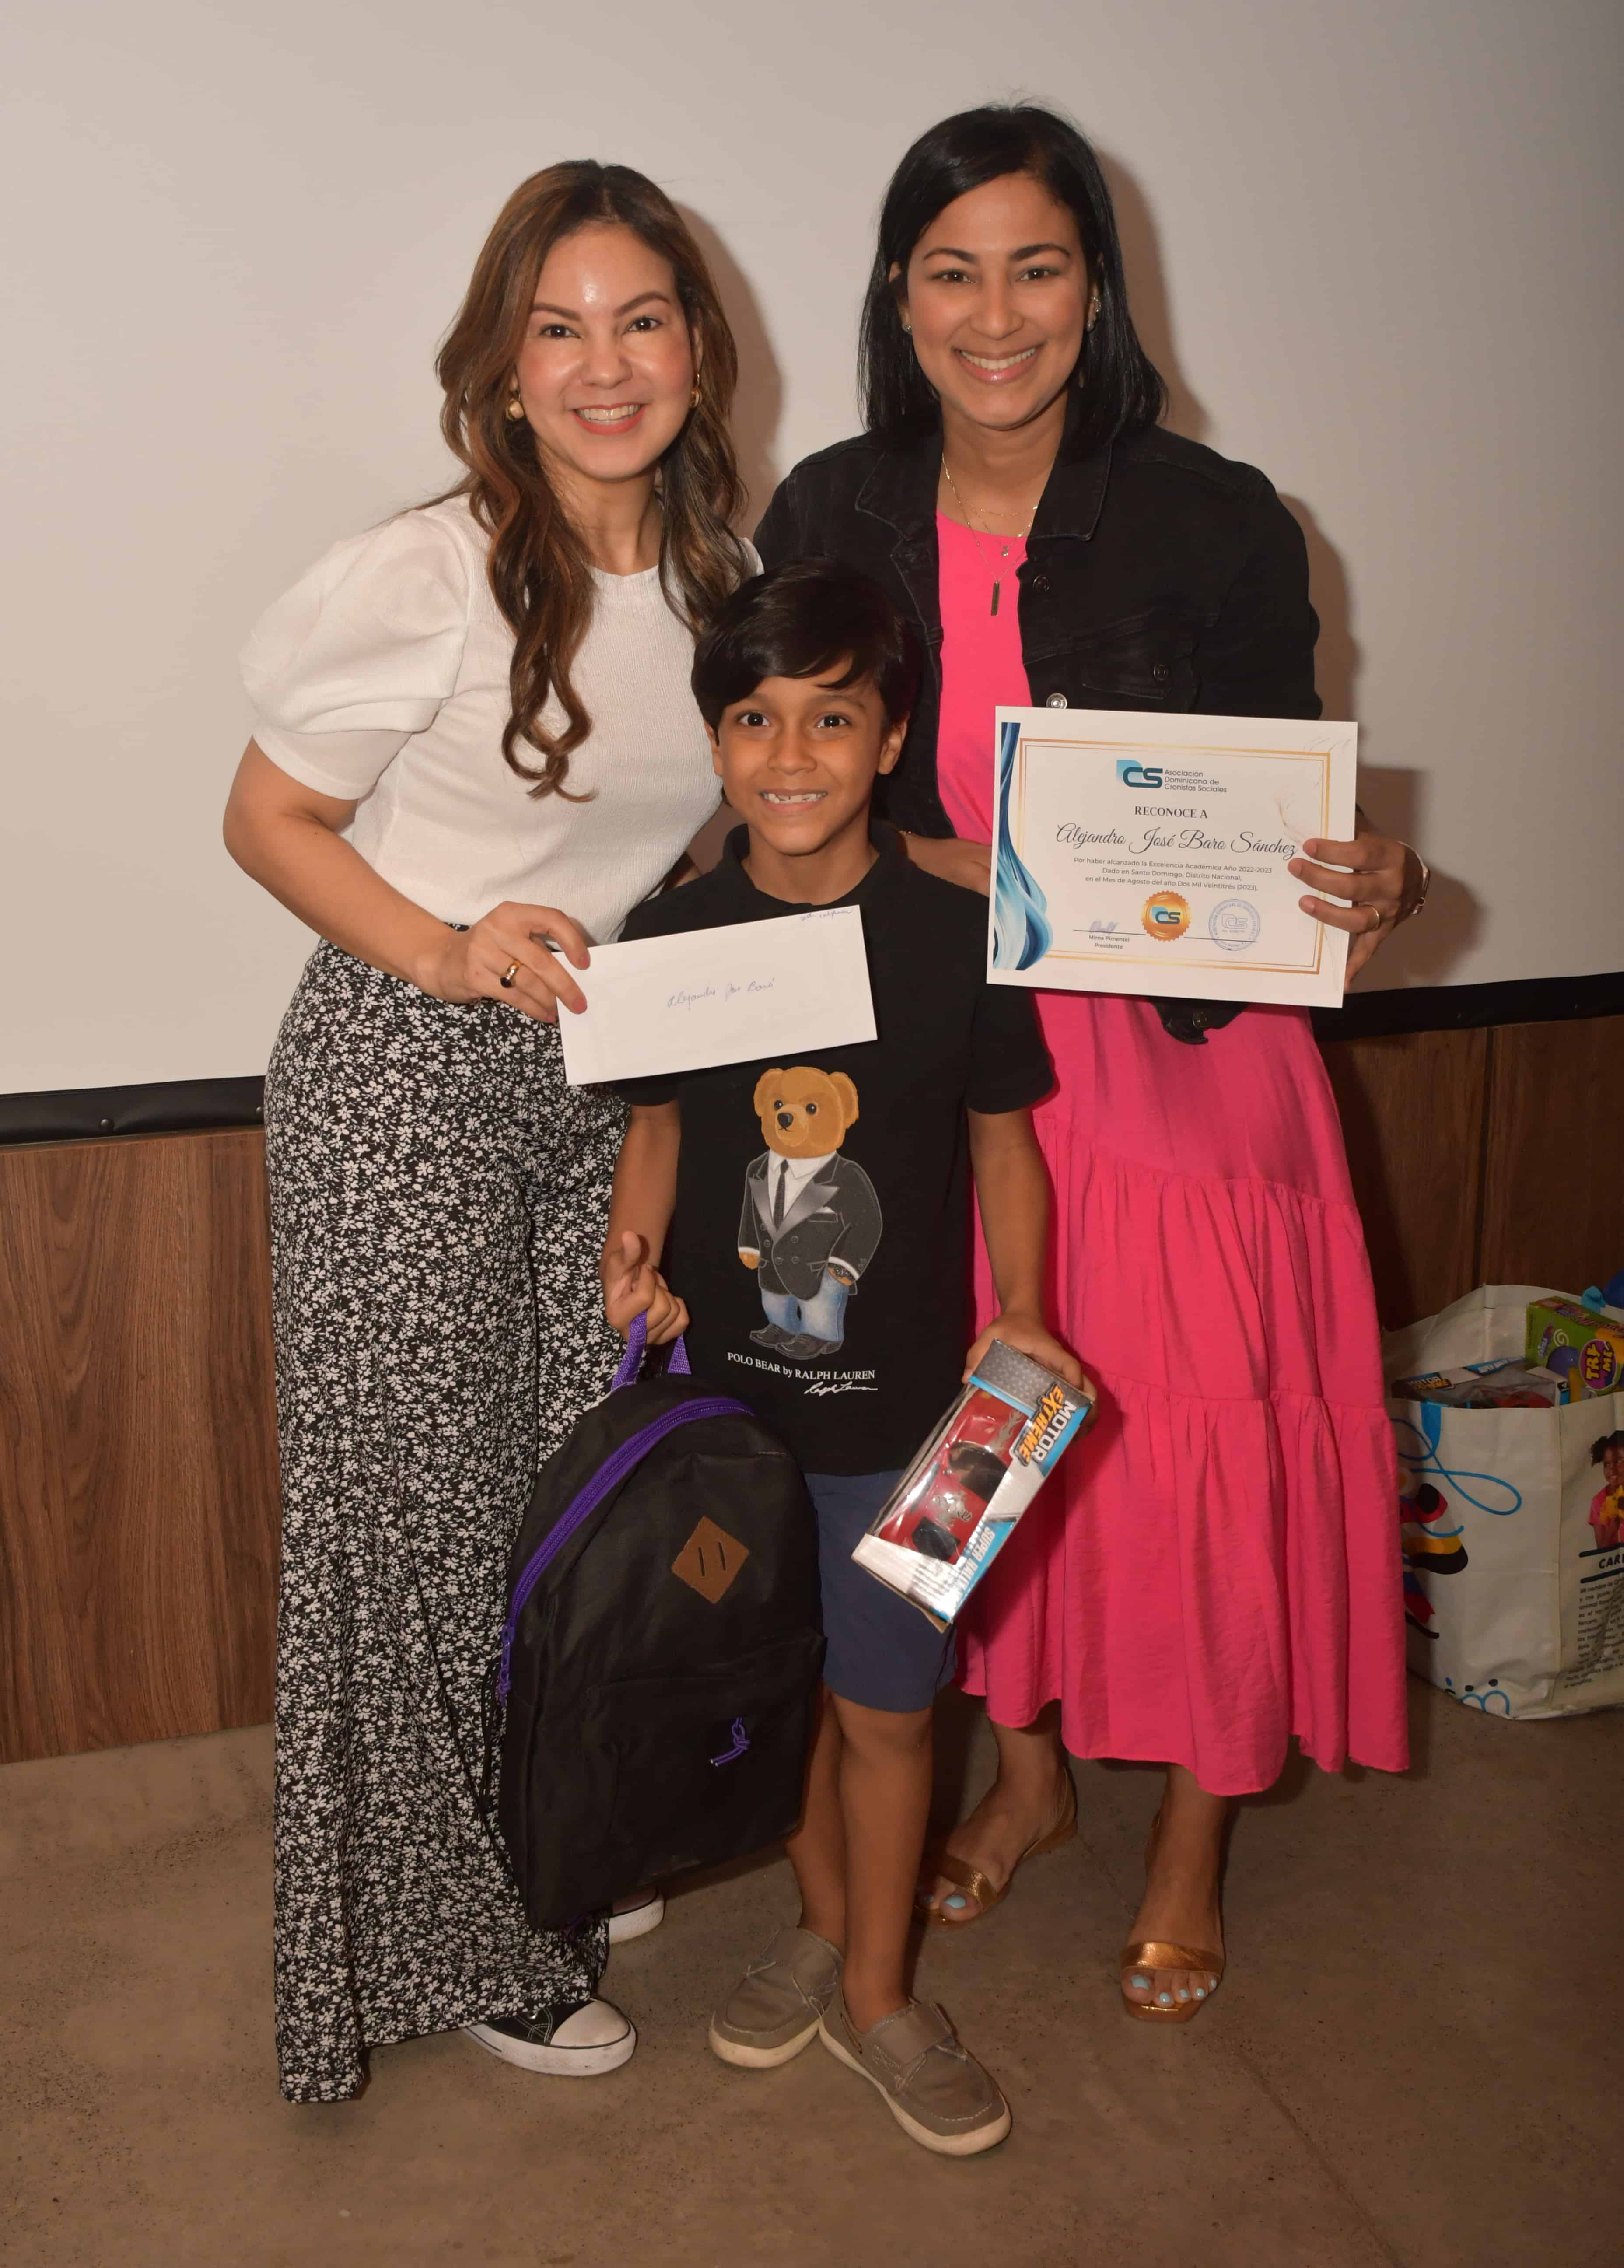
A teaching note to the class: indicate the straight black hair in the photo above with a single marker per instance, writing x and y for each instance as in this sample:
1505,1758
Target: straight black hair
1120,388
807,618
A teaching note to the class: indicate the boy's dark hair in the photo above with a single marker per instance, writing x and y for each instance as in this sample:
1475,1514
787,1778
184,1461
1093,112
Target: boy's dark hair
804,619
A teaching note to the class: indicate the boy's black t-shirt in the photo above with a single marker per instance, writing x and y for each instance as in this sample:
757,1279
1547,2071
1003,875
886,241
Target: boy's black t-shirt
843,1177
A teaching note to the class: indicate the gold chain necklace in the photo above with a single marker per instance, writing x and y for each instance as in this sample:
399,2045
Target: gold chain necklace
975,539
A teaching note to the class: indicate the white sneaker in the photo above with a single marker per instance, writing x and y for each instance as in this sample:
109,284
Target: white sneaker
581,2040
636,1915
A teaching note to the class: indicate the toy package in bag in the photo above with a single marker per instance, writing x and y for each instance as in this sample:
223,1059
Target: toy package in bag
1584,1347
949,1515
1503,1384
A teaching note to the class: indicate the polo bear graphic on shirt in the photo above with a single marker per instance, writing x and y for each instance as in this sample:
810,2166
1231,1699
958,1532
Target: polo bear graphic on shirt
812,1222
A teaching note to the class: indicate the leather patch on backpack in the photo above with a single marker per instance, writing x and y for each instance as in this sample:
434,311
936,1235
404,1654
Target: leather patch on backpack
709,1561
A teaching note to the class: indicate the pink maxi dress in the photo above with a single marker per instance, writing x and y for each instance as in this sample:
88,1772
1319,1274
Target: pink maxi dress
1217,1567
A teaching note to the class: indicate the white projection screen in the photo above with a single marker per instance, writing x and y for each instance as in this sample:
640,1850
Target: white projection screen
1376,250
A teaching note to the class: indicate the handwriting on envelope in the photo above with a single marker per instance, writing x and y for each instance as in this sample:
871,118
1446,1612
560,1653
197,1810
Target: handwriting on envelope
719,996
683,999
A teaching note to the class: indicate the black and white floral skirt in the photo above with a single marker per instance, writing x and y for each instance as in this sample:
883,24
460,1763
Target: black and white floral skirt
438,1200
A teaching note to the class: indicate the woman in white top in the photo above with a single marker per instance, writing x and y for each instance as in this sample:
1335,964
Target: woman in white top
475,735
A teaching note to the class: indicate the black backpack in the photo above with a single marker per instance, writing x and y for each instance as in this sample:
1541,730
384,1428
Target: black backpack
662,1645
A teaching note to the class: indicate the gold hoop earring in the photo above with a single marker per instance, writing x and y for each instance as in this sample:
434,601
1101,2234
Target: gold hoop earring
1093,315
515,409
695,398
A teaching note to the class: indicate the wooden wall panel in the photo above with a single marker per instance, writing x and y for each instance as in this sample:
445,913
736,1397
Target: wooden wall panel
1412,1110
1554,1195
137,1441
137,1436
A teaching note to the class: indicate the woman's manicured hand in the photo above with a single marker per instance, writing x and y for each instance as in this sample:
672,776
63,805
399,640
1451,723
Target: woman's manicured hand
952,860
1386,883
471,963
1029,1335
633,1286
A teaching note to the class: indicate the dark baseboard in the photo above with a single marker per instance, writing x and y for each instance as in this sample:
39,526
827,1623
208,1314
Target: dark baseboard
90,1113
1467,1007
183,1105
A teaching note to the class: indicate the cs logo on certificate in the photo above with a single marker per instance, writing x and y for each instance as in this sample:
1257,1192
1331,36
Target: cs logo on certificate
1166,915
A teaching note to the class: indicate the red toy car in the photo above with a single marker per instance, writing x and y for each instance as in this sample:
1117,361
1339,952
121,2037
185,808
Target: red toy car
972,1453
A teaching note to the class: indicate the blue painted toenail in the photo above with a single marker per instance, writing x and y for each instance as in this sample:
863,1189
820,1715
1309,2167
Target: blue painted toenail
956,1900
1141,1984
1166,1998
1201,1991
1183,1995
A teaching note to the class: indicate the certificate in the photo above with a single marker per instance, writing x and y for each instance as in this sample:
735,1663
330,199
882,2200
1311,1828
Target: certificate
718,995
1149,854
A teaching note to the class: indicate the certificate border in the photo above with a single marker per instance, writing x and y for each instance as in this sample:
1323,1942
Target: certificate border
1320,756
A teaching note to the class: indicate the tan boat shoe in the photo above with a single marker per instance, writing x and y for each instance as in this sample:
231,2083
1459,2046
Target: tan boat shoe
772,2011
933,2087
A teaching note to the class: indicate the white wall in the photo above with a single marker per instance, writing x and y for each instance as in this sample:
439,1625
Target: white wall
1375,247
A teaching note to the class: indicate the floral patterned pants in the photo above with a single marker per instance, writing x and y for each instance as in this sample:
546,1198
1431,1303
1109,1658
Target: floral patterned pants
438,1199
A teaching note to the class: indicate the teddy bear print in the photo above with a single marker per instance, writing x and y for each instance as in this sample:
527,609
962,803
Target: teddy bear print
811,1222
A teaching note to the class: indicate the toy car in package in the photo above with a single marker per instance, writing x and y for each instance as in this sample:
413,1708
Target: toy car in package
1506,1383
949,1515
1502,1384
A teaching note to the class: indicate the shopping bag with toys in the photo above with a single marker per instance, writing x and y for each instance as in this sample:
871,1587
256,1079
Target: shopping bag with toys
1511,1519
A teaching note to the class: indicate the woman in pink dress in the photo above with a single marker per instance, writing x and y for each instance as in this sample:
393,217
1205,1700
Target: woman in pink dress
1216,1570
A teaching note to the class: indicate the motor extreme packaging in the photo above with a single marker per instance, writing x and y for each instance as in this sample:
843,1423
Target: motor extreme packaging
952,1512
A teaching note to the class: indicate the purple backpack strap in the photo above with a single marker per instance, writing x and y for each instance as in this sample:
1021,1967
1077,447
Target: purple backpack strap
631,1361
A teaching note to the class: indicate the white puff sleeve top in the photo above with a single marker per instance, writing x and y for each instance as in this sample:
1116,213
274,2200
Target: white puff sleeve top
381,678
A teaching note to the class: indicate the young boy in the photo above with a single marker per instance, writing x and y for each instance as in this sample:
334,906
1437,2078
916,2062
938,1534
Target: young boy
815,1216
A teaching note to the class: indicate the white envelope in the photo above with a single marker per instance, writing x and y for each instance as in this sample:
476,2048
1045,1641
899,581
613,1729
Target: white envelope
718,995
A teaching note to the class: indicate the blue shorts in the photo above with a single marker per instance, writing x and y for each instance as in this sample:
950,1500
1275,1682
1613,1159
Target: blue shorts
883,1654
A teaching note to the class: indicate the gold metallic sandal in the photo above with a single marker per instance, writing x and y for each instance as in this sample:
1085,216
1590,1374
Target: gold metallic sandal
1153,1952
971,1879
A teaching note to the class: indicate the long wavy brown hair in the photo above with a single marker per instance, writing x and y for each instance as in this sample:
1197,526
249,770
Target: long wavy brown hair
541,573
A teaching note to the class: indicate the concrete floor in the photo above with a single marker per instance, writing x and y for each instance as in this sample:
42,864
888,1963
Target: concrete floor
1415,2058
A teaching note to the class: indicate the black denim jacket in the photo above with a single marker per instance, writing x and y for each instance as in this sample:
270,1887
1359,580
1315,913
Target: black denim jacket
1157,576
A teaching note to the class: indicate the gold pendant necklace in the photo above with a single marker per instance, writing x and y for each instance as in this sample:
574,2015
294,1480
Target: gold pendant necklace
997,580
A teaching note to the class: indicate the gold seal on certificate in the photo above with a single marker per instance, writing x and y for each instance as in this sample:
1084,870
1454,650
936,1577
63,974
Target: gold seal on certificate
1137,853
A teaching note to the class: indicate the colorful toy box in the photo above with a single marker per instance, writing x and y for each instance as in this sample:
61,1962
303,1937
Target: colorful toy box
952,1512
1506,1383
1583,1348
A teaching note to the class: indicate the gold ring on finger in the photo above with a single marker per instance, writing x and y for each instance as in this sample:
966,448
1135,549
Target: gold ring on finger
508,974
